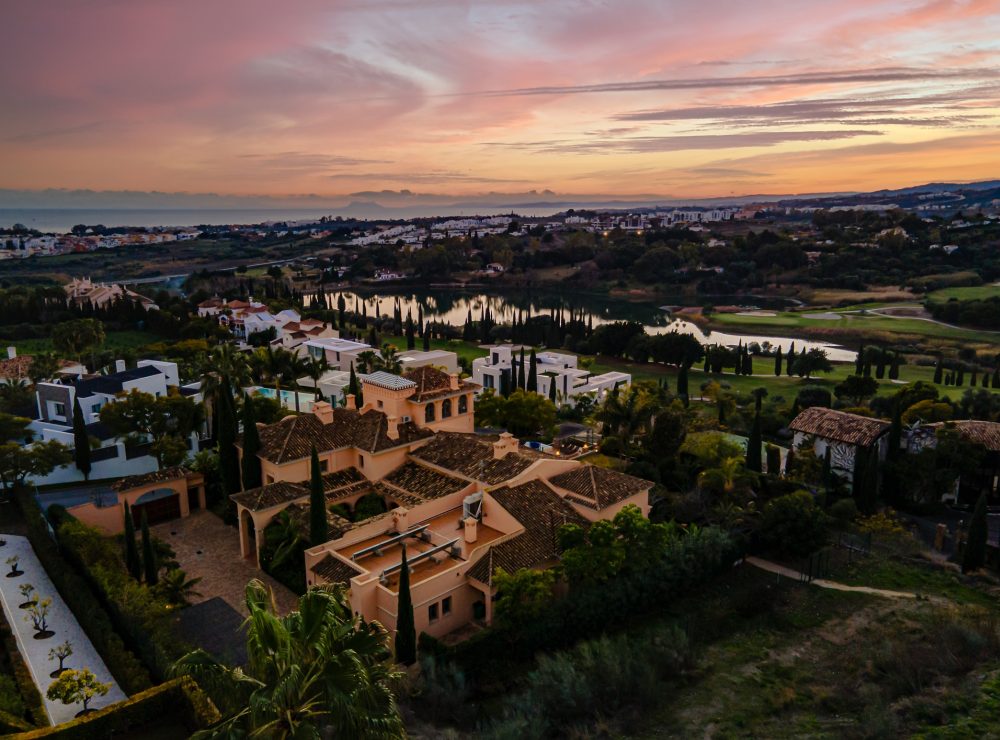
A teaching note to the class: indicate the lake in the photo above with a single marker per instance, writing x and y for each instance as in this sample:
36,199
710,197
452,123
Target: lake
453,306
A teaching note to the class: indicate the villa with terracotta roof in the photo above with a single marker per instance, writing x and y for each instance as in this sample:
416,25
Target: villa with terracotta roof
975,479
463,505
84,292
843,434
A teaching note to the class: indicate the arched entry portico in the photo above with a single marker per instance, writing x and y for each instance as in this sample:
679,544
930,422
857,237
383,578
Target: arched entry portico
159,505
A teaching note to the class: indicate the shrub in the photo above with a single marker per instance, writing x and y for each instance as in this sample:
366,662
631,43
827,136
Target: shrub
844,511
180,699
883,523
793,525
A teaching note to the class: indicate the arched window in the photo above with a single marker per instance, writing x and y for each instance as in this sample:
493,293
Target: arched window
463,404
429,412
446,408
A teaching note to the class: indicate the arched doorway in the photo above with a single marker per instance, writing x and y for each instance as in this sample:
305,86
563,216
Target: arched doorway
249,532
160,505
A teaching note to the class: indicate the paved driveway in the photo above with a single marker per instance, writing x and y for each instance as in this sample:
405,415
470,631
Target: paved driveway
209,549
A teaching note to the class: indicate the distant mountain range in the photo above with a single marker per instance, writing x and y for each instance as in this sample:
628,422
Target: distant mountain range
403,204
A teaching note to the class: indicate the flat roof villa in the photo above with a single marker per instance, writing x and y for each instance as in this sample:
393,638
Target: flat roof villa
462,505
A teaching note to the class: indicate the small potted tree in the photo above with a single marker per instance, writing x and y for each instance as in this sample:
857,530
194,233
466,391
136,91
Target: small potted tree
60,653
12,561
38,613
28,592
77,687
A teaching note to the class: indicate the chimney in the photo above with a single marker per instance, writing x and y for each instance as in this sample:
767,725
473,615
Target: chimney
349,402
11,353
471,527
393,431
119,366
506,443
323,412
400,519
453,381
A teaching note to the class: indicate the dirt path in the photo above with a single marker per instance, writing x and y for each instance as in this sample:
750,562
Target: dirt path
824,583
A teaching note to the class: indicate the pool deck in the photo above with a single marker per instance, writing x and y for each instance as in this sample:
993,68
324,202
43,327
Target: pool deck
60,620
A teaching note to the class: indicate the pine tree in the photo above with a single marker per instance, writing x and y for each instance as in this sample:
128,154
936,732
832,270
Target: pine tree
974,556
149,565
132,562
318,531
532,372
251,446
81,441
753,445
777,363
406,633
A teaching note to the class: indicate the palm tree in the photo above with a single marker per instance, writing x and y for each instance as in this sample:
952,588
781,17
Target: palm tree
628,415
295,368
177,587
729,477
224,366
315,367
388,359
319,671
367,362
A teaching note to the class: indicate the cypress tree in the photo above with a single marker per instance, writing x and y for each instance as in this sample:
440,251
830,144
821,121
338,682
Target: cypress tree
986,379
722,412
974,556
754,444
552,389
522,380
427,339
773,460
859,361
532,372
411,341
251,446
894,367
318,532
682,384
869,482
505,383
352,383
132,562
514,385
880,364
790,361
975,375
890,481
406,633
827,474
960,379
708,365
149,566
939,371
81,441
229,460
996,378
777,363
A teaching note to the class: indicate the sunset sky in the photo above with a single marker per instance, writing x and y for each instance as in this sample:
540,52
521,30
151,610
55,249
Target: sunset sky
668,97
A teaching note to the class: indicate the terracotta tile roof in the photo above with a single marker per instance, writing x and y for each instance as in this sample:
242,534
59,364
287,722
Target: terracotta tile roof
423,482
599,488
985,433
273,494
341,478
541,511
335,570
471,458
839,426
433,383
293,437
158,476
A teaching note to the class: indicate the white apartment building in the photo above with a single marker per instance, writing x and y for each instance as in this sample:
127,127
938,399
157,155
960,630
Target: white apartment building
553,368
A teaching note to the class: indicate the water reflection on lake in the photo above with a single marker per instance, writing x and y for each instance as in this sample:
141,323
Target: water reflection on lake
452,307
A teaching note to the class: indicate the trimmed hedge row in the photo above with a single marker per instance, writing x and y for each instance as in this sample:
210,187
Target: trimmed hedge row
130,674
25,683
178,699
88,552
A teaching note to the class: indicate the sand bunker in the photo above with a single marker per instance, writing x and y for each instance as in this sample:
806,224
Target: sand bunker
827,316
762,314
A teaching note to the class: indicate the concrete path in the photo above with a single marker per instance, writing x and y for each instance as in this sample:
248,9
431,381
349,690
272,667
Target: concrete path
60,620
824,583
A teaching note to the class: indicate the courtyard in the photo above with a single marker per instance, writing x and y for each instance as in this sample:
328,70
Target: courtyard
209,549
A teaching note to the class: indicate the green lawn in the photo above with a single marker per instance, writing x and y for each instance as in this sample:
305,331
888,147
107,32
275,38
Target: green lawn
966,294
851,323
115,340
